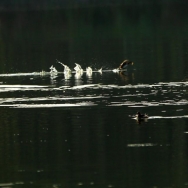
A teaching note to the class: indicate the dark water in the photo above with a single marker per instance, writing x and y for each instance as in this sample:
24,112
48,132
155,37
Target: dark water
79,131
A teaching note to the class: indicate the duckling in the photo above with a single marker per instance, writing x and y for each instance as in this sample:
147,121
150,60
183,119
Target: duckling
124,64
141,116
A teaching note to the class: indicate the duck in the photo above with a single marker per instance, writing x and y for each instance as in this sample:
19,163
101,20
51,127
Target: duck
124,64
140,116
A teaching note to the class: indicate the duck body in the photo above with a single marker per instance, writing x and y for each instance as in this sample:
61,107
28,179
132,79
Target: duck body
125,64
140,116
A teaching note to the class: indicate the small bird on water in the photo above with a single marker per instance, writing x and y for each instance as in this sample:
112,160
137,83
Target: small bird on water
140,116
124,64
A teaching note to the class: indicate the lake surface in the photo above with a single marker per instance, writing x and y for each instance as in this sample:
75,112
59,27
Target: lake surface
80,131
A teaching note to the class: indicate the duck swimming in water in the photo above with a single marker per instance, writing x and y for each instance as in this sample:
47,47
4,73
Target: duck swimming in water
140,116
124,64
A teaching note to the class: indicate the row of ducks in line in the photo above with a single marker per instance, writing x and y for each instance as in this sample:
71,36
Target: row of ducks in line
78,68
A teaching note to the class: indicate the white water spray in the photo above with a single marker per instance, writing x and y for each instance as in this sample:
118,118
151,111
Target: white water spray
67,70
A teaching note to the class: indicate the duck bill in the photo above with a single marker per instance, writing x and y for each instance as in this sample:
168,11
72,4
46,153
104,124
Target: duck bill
132,63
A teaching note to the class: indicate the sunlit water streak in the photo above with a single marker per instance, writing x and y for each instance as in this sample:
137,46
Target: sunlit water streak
48,105
21,86
110,95
165,117
51,73
141,145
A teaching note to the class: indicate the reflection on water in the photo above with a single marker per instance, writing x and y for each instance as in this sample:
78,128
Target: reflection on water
131,95
141,145
82,132
106,99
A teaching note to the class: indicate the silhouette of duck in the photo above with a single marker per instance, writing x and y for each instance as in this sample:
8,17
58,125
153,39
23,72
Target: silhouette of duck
124,64
140,116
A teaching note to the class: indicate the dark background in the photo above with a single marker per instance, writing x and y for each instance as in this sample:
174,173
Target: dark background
94,33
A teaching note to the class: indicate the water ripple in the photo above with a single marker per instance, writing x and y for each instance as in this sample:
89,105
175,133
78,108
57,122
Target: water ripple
141,145
146,103
139,95
48,105
168,117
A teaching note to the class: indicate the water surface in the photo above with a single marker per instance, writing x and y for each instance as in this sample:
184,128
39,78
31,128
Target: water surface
79,131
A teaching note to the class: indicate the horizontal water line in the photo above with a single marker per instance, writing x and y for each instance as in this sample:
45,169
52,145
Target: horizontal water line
97,86
48,105
44,73
21,86
141,145
165,117
147,104
37,99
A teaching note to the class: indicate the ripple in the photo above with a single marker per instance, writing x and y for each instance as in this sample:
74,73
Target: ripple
139,95
141,145
153,87
21,86
6,184
164,117
23,74
38,99
7,88
49,105
168,117
110,86
84,86
147,103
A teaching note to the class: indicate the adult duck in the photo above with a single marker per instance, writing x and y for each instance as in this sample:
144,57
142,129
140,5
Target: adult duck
140,116
124,64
